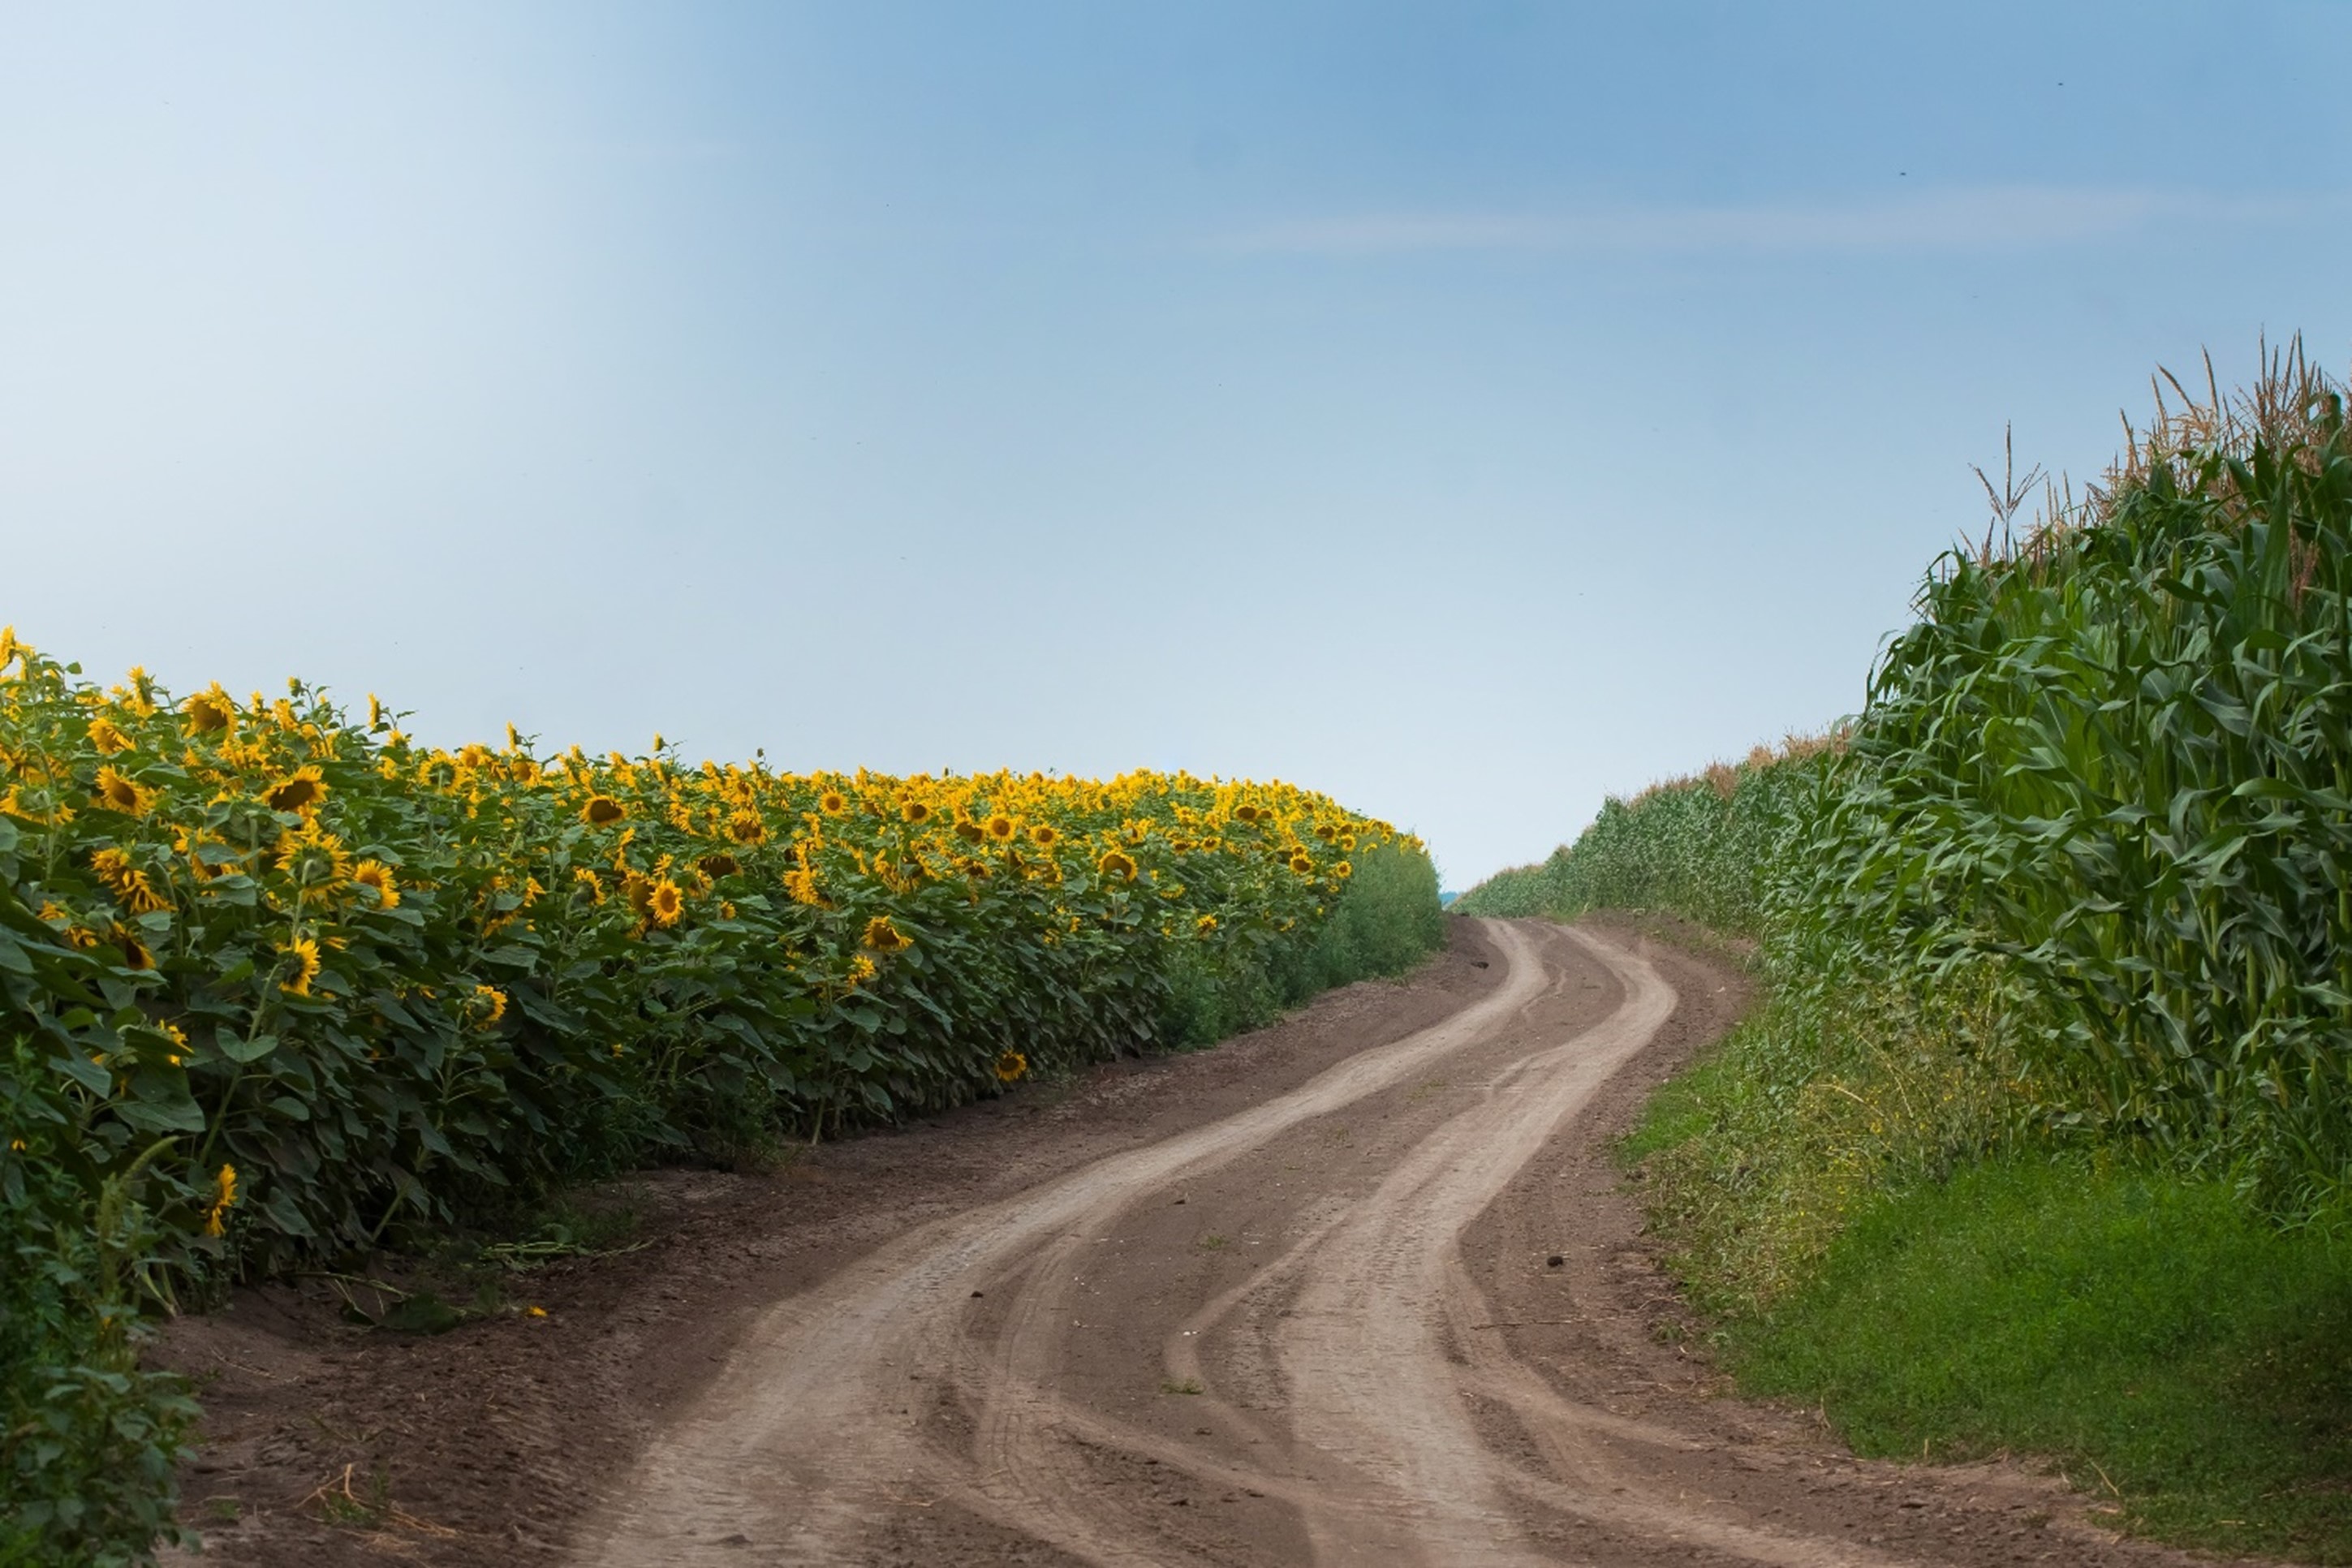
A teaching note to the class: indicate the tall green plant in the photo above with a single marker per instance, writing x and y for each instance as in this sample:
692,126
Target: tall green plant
2120,758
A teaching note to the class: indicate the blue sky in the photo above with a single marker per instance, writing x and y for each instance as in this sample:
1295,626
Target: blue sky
1468,410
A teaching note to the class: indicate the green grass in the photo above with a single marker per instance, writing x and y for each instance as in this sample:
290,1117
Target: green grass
2165,1345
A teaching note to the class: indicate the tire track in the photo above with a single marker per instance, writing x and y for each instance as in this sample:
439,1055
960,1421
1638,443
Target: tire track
1356,1400
805,1439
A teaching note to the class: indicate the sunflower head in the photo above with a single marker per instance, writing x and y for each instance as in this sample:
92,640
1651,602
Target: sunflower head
134,951
314,859
664,903
883,936
1342,870
1301,864
119,792
1245,814
1043,835
1204,925
717,866
970,832
747,827
1000,828
304,951
1117,864
299,791
210,710
106,737
915,811
833,803
490,1004
376,875
224,1195
602,810
1010,1066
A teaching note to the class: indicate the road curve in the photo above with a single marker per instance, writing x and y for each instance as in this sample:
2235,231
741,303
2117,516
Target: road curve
1255,1342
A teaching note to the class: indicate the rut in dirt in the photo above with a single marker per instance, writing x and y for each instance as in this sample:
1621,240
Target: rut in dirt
1267,1341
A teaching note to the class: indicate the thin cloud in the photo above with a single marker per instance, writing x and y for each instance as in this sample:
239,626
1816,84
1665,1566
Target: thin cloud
1981,218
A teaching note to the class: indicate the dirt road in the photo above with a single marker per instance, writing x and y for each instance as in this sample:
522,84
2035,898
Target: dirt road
1323,1329
1362,1288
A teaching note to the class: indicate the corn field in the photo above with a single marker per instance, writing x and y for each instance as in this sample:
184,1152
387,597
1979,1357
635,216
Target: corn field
2110,766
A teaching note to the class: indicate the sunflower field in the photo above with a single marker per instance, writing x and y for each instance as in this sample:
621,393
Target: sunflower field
284,986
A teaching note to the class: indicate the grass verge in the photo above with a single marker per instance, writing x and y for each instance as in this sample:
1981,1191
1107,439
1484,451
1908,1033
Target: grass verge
2171,1351
1839,1194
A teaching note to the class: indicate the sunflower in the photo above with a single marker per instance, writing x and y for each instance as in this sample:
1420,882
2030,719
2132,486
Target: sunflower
209,711
299,791
747,827
106,737
833,803
588,885
1342,870
127,882
883,937
861,970
1204,925
493,1002
1301,864
915,811
601,810
1117,863
1245,814
134,951
664,904
304,951
119,792
717,866
224,1195
1010,1066
1002,828
1043,835
377,875
314,859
